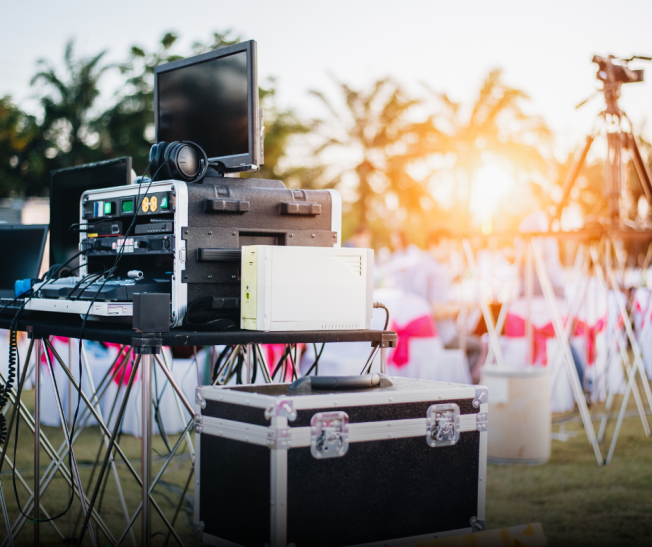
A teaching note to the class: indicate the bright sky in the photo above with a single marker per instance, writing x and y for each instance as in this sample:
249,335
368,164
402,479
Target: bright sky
544,47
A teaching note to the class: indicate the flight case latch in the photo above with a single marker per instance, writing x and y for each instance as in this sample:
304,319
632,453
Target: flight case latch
443,425
329,434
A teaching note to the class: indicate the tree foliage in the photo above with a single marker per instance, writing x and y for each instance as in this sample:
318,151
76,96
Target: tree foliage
17,132
75,129
127,128
68,100
396,149
374,139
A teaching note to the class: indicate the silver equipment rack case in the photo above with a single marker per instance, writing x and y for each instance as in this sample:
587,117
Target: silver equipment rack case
198,237
376,466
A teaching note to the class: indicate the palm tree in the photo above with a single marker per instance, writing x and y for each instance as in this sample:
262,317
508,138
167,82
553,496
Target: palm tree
17,131
496,126
372,138
67,105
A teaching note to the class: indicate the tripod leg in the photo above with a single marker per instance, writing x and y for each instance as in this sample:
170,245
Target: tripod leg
641,169
576,387
571,177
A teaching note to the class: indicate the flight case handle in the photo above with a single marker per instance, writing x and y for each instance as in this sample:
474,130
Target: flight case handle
342,382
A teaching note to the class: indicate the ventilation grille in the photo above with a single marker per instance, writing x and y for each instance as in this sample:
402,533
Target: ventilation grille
353,325
353,263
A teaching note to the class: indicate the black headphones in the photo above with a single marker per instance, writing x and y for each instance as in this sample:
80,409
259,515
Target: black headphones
181,160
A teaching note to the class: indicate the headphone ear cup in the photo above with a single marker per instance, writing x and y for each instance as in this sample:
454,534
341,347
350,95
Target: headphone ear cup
182,160
156,158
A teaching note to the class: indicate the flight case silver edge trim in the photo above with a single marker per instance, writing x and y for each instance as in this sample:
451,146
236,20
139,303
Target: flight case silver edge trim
198,536
222,395
335,400
237,431
278,489
482,471
298,437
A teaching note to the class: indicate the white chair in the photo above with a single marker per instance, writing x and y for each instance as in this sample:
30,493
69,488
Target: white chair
643,321
544,348
598,316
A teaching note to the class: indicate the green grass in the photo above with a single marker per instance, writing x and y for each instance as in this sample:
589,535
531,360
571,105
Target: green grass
55,498
577,502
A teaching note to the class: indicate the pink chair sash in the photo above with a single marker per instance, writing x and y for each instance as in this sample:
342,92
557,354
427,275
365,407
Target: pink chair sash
123,375
44,362
421,327
640,311
515,328
274,353
590,333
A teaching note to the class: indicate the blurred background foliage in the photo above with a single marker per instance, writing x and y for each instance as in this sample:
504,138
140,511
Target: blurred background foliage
401,158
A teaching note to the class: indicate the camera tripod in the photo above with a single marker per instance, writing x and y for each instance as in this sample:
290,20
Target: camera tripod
622,147
621,141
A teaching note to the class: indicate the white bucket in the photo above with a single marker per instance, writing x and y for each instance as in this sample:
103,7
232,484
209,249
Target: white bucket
519,414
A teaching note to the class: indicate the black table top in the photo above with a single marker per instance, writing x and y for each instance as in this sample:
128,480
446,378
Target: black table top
70,327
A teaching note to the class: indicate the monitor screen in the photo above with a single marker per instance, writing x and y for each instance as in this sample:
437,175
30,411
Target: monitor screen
21,261
206,103
66,188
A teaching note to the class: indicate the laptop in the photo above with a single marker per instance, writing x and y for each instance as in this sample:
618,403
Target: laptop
22,247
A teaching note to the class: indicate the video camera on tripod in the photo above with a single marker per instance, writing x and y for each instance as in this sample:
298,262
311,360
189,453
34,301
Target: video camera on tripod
615,70
621,142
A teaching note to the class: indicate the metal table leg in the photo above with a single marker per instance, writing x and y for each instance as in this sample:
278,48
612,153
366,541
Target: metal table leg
37,440
146,441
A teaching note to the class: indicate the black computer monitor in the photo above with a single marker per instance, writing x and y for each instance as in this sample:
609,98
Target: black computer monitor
22,254
212,100
66,188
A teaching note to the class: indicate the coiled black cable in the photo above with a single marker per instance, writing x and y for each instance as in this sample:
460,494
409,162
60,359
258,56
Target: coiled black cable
11,371
3,429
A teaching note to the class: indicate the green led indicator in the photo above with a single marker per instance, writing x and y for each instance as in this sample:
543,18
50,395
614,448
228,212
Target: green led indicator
107,208
164,202
128,206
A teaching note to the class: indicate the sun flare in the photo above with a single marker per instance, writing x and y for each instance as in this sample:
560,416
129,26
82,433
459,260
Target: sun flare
490,183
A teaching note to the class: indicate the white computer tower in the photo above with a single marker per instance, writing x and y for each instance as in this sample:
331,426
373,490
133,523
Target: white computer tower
306,288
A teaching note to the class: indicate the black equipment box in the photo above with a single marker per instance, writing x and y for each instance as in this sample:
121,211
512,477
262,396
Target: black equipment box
361,466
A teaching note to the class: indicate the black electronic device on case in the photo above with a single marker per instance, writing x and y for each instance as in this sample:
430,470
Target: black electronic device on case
212,100
151,312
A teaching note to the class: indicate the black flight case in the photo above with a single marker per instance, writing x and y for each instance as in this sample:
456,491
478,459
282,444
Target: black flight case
403,460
